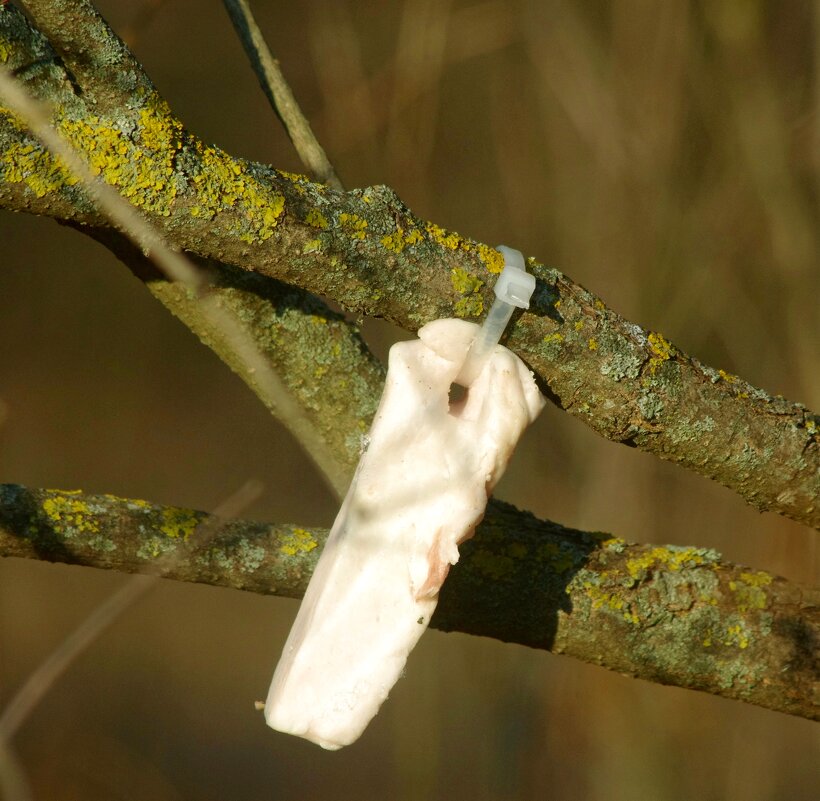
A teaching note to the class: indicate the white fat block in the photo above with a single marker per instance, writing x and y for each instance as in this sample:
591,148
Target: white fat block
420,489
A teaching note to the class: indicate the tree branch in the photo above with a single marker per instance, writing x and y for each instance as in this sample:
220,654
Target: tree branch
279,94
670,615
179,269
289,328
366,250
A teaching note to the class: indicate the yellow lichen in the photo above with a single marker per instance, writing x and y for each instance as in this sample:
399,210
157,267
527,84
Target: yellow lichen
556,557
139,165
613,543
70,514
495,566
592,344
294,177
394,241
316,219
517,550
470,304
748,590
224,183
601,598
493,260
32,165
143,169
299,182
669,558
178,523
727,377
758,579
464,282
447,239
735,635
554,337
662,351
159,130
353,224
298,541
399,240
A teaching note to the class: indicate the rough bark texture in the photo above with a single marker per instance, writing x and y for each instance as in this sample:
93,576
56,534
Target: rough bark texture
668,614
366,250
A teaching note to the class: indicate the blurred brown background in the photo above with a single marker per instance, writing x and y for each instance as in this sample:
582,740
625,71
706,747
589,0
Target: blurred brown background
665,154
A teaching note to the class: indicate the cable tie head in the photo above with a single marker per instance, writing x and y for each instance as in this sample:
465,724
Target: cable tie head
515,285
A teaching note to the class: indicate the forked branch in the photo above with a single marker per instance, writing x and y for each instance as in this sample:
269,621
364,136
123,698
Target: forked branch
367,251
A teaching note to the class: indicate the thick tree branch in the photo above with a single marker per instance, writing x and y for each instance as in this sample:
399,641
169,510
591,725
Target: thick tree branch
667,614
366,250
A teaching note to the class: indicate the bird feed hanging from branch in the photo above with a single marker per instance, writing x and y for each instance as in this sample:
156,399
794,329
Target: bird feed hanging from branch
420,490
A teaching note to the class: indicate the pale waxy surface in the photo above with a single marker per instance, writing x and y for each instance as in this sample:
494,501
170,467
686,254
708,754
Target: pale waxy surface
419,490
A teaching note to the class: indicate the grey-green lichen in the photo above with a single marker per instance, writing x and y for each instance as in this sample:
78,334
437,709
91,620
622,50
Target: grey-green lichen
650,405
620,365
673,614
650,583
245,556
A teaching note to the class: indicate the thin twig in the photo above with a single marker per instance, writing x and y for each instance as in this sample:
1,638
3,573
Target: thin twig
279,94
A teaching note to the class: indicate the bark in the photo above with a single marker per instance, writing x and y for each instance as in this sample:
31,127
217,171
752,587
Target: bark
370,253
668,614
